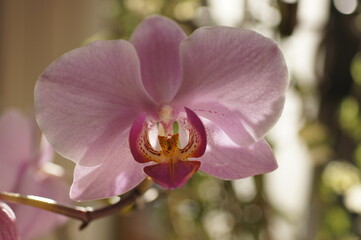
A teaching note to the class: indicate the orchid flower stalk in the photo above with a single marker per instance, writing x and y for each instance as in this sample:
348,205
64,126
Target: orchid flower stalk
84,214
163,105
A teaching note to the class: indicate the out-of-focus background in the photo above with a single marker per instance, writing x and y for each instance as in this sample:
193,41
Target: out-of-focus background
315,193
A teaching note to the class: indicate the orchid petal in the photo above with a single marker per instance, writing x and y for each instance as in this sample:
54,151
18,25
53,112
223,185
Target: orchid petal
7,220
239,69
16,146
227,160
88,92
174,175
157,42
230,121
117,174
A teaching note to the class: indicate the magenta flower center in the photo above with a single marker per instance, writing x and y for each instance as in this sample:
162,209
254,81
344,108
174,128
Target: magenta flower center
172,168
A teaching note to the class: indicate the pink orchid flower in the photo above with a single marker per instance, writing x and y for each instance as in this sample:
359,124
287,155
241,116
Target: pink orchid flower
124,110
24,170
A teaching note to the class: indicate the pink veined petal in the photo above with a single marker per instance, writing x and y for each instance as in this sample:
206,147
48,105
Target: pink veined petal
117,173
172,176
44,185
16,146
227,160
7,226
230,121
157,41
239,69
88,96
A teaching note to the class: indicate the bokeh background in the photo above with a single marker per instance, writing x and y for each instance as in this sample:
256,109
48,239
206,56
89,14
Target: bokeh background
315,193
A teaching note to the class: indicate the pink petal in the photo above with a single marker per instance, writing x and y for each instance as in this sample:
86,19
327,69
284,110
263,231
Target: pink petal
7,220
240,70
16,146
117,174
88,96
227,160
230,121
172,176
157,42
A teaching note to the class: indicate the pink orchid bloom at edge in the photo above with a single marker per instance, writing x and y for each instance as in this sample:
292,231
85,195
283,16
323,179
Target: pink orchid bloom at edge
7,220
23,170
122,110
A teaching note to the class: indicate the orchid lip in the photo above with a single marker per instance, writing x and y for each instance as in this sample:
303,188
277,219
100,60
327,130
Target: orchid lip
172,168
172,176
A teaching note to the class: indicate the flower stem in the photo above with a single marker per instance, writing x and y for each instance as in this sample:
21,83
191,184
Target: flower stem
84,214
